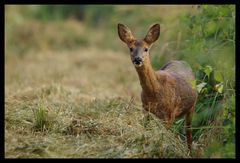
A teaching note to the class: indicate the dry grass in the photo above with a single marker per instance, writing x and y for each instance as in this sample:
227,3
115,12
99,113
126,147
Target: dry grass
83,102
85,113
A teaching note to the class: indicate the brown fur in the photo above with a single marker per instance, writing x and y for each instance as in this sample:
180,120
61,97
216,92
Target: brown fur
164,94
167,93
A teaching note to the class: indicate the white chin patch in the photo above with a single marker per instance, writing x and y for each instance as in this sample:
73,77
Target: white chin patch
138,65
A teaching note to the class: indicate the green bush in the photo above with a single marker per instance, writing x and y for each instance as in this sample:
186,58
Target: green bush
209,45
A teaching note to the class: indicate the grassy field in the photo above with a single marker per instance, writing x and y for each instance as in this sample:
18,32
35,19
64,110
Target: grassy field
71,90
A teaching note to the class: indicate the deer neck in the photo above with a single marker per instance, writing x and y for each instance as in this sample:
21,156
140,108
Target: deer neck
147,77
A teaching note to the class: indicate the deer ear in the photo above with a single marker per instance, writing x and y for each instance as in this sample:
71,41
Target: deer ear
152,34
125,34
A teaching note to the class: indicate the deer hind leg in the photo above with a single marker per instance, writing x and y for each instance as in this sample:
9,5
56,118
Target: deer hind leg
188,129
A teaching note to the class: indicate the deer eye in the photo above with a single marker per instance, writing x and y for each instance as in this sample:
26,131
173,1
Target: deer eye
131,49
146,49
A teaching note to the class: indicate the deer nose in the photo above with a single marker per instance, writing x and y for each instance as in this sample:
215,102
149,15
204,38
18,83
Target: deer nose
137,61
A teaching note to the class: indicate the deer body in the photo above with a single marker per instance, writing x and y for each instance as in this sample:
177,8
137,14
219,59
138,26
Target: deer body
168,92
165,93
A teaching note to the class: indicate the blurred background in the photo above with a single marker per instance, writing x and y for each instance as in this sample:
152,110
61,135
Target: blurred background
77,47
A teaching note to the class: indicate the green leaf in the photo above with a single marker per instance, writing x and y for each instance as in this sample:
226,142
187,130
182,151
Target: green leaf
201,86
208,69
210,28
219,87
218,76
204,90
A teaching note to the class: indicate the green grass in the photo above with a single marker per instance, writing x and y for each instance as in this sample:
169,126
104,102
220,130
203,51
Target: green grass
40,116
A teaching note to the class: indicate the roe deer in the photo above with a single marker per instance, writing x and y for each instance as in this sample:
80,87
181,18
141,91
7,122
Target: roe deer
168,93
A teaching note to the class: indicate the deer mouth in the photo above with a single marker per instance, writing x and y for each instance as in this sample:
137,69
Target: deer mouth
138,62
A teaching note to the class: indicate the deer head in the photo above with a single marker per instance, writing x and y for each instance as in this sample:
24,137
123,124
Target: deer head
139,48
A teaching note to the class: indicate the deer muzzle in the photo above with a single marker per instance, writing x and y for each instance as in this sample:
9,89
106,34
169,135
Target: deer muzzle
138,61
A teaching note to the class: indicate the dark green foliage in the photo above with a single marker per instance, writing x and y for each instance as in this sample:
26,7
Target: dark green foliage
210,32
59,12
211,35
97,16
